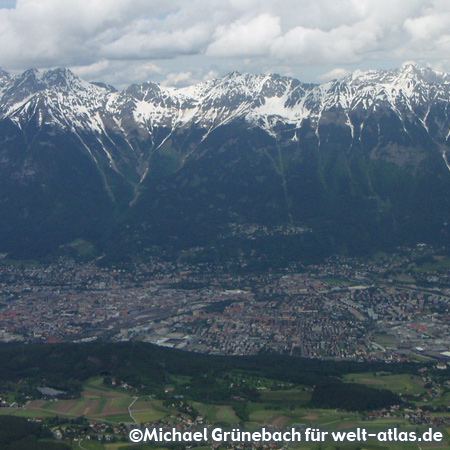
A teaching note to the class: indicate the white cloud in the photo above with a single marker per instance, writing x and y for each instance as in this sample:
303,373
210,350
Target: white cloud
252,37
91,71
211,75
137,44
178,79
334,74
121,39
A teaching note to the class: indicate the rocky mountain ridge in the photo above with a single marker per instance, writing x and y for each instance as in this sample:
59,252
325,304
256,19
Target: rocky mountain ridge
150,149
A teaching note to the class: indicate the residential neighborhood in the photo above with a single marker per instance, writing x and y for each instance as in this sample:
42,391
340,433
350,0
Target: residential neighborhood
394,308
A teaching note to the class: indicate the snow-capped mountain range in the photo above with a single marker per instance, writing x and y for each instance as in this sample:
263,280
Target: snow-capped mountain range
263,100
148,137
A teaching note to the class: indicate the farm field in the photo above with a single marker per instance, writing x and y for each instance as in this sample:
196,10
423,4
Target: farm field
269,413
96,403
217,413
400,384
289,396
148,410
280,408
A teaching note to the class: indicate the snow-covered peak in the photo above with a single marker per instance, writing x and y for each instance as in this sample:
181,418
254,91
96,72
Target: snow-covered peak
62,78
405,77
20,88
422,74
30,80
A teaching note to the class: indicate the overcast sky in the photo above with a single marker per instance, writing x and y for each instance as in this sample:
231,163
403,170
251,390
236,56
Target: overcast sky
179,42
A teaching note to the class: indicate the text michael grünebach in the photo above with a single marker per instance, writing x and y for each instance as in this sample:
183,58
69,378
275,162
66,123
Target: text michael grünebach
168,435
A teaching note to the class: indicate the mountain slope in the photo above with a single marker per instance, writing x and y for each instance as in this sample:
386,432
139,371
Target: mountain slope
359,163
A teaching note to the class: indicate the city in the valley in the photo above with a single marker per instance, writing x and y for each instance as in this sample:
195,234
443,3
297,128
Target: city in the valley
390,307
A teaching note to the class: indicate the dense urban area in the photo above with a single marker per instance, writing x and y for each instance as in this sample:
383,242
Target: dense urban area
391,307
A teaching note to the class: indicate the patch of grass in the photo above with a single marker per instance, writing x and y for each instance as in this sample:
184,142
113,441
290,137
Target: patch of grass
90,445
148,411
209,411
400,384
48,405
333,280
96,384
82,248
98,388
101,404
291,396
80,405
119,418
386,340
179,379
437,262
225,414
261,415
404,278
25,412
96,381
444,400
121,402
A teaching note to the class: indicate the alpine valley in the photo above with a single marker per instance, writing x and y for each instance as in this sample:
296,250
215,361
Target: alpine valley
256,165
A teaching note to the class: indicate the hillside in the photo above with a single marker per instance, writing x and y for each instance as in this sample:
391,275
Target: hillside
352,165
